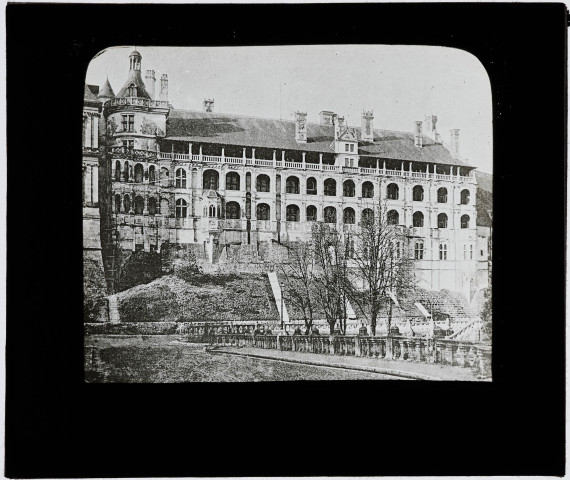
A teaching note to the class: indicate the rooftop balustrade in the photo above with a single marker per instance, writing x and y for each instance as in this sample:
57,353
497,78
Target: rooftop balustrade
136,101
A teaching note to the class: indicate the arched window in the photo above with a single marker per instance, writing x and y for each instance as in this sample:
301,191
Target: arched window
367,215
126,171
232,181
348,188
152,206
465,221
330,214
139,173
181,208
151,174
292,185
393,192
180,178
127,203
330,187
117,203
393,217
465,197
132,90
443,251
442,220
419,251
233,210
311,213
367,190
164,174
418,219
262,183
418,193
263,211
348,216
293,214
212,211
442,195
139,205
117,171
311,186
211,180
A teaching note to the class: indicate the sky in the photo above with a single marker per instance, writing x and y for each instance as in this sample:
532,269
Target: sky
401,84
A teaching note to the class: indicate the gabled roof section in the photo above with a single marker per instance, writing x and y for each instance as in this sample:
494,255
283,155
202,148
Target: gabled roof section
349,135
231,129
136,79
90,92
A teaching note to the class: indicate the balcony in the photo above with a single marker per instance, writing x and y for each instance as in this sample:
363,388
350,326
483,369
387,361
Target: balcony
125,153
232,224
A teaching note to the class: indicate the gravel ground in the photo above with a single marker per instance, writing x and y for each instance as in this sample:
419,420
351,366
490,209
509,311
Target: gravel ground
166,359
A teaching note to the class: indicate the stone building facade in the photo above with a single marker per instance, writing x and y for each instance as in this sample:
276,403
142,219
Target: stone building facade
212,180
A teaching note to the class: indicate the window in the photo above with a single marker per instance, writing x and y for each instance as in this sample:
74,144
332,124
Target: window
293,214
367,215
181,208
465,197
311,186
419,251
348,162
212,211
393,191
126,171
180,178
262,183
346,147
139,205
151,174
128,144
348,188
465,221
352,147
118,204
117,171
349,248
442,195
442,220
367,190
470,252
418,219
263,211
127,204
330,215
393,217
129,122
152,206
232,181
311,213
464,252
233,210
330,187
348,216
292,185
132,90
139,173
164,174
210,181
418,193
482,253
443,252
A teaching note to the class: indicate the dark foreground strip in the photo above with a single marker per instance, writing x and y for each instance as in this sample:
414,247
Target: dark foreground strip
363,368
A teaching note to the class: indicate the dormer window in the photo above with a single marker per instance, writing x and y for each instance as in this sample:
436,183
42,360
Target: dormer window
346,147
132,90
352,147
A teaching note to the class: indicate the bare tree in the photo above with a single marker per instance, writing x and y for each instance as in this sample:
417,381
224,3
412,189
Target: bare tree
383,263
299,280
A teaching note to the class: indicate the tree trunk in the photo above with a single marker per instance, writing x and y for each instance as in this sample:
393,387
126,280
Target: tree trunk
373,323
389,322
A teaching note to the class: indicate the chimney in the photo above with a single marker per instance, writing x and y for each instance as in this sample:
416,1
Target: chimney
150,81
301,127
367,133
341,124
208,104
326,118
430,128
454,134
418,134
164,87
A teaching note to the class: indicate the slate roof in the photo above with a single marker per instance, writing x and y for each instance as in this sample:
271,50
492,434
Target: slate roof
106,90
231,129
136,78
90,92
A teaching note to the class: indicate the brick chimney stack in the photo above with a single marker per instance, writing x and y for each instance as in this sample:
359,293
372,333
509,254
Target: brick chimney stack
454,134
208,104
367,133
301,127
164,87
150,81
418,134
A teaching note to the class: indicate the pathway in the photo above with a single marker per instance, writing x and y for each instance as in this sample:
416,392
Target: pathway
114,315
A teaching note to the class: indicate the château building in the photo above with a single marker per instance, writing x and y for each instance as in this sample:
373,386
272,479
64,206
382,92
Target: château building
215,179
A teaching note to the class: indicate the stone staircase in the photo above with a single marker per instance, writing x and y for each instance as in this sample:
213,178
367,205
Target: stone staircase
114,316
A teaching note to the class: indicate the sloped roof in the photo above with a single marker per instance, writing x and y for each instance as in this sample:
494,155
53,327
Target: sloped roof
231,129
106,90
90,92
136,78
